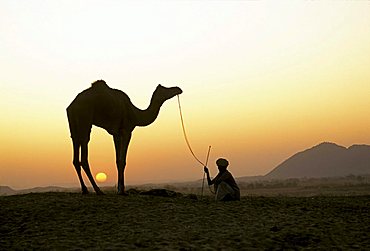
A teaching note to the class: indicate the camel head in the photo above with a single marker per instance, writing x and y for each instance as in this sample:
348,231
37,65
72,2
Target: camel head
161,93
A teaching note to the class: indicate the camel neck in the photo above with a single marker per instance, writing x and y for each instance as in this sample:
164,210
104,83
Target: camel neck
147,116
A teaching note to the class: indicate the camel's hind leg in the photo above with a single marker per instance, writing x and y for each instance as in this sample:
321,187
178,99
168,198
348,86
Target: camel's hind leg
77,165
121,143
86,167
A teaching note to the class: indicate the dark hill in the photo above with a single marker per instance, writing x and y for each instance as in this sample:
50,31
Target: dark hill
325,160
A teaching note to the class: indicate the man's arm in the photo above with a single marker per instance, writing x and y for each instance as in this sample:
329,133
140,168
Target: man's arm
224,176
210,182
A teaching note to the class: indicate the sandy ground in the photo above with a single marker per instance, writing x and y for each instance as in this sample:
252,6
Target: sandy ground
70,221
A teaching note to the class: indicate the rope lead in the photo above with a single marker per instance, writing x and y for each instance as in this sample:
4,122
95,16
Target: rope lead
185,136
191,150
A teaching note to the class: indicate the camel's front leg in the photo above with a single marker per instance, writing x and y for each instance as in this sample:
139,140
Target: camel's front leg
121,143
86,167
77,164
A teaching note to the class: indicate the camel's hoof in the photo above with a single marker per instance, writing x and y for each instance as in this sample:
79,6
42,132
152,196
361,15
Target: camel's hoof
99,192
122,193
84,192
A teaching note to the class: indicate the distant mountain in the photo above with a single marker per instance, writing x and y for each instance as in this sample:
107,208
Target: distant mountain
325,160
248,179
5,190
45,189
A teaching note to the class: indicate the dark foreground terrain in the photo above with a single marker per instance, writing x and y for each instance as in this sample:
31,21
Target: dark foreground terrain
71,221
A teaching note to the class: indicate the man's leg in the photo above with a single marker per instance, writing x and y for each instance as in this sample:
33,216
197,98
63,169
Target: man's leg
224,192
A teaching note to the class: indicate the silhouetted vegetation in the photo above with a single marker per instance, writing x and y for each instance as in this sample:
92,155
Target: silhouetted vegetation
351,185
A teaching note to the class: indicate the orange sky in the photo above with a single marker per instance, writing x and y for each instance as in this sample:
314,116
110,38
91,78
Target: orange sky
261,81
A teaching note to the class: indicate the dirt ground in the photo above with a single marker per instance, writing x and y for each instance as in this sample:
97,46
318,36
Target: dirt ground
70,221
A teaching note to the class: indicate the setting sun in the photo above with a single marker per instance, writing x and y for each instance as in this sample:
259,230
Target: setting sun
101,177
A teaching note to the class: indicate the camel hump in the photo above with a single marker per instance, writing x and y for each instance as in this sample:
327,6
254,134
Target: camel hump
99,84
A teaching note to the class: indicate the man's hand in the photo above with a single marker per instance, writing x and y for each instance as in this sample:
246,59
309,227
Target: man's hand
206,170
209,181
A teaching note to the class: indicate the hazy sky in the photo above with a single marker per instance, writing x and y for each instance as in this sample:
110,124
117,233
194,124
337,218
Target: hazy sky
261,80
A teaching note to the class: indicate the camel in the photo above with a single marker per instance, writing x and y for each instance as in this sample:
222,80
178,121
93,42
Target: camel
112,110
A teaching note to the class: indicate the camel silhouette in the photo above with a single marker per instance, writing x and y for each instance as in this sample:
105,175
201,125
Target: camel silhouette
112,110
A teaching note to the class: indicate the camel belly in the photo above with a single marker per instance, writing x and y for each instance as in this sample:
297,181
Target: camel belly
111,129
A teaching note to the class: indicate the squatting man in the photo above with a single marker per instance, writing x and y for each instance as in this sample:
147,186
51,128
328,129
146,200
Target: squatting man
224,183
